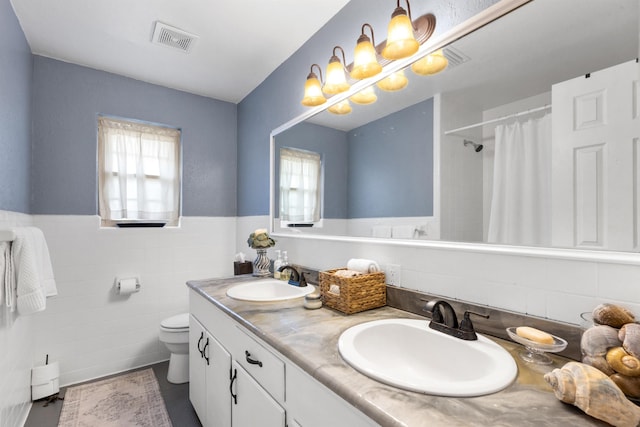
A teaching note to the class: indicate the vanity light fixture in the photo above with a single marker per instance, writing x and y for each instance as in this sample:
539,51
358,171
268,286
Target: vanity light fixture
365,57
365,96
430,64
341,108
312,89
336,79
401,41
394,82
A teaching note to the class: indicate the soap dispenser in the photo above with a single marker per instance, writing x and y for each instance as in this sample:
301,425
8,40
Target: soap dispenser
286,274
276,265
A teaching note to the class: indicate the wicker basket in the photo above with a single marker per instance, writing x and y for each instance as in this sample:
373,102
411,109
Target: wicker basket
356,294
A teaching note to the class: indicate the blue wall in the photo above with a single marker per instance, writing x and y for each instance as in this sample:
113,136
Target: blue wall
67,99
393,161
277,99
16,67
332,145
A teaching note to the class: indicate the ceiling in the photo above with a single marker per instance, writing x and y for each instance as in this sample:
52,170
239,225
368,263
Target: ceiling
240,42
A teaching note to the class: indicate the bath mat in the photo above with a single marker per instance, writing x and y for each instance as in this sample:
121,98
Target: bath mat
131,399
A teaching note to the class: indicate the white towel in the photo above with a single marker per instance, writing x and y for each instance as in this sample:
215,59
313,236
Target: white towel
382,231
363,265
6,270
403,231
33,273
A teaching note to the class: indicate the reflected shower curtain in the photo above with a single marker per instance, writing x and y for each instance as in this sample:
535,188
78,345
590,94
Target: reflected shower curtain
521,200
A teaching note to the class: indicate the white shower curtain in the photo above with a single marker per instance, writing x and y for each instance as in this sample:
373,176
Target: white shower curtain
521,200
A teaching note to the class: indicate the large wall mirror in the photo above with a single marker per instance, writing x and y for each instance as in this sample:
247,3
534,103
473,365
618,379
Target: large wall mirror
530,137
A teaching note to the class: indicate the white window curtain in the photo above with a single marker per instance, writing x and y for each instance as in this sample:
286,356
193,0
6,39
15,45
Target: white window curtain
300,186
521,200
139,171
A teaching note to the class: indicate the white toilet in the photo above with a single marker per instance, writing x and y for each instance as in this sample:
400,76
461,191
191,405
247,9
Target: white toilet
174,333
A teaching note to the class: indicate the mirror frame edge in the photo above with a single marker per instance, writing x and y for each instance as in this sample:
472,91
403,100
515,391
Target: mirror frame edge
493,12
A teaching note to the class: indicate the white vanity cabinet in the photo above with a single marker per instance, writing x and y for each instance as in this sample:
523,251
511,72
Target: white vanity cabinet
252,405
263,388
209,367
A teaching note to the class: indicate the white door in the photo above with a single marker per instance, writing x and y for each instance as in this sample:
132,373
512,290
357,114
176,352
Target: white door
251,404
596,151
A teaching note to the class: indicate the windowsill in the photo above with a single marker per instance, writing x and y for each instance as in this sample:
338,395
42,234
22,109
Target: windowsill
141,224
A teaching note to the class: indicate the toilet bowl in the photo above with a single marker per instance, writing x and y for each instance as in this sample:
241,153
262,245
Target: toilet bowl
174,333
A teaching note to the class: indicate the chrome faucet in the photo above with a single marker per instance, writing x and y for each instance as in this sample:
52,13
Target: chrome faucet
447,322
297,279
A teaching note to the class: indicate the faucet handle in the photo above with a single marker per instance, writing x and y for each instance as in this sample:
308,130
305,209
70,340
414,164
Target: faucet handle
466,324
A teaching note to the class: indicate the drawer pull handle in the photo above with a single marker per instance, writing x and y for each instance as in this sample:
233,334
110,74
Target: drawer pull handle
205,353
233,379
252,361
199,341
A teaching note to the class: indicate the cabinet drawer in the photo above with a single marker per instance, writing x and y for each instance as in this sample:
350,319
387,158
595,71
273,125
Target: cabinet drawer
260,363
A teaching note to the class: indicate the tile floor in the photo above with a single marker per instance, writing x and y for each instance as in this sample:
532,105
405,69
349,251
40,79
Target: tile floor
176,399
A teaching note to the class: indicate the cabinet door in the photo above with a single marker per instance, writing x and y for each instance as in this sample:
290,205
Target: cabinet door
197,379
251,405
218,366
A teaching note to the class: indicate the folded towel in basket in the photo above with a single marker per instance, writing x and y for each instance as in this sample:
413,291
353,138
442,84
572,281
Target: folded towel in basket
363,265
347,273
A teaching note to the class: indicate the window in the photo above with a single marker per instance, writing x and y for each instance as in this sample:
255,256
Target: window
300,186
139,172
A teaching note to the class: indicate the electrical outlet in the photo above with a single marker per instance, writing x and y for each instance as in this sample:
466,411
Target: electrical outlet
393,274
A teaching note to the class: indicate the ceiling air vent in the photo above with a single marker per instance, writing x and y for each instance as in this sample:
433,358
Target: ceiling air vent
167,35
455,57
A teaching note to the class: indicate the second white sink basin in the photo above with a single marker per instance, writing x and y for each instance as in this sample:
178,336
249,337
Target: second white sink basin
267,290
406,353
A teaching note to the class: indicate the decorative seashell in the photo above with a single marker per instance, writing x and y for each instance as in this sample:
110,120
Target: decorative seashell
598,339
622,362
629,385
612,315
594,393
630,336
599,362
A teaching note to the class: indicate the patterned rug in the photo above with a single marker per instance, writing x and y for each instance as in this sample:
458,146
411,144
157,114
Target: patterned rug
131,399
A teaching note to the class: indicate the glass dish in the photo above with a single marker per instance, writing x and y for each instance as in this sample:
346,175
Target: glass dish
534,352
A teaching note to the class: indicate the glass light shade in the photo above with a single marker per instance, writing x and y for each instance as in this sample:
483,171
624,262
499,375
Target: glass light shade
401,42
365,61
365,96
430,64
336,79
342,107
395,81
312,92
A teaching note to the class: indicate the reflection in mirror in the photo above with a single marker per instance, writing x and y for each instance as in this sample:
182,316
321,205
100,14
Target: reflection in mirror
555,110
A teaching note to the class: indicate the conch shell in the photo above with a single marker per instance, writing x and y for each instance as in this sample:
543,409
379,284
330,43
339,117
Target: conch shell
630,336
594,393
622,362
597,340
629,385
612,315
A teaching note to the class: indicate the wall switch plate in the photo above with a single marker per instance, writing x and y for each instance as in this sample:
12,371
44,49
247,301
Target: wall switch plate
393,274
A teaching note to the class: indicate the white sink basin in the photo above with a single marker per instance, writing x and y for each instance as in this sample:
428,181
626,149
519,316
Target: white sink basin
267,290
406,353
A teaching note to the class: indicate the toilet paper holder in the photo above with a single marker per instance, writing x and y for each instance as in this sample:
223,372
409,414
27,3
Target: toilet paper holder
127,285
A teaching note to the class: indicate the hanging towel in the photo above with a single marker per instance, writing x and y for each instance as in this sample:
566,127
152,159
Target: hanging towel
6,270
383,231
363,265
403,231
33,273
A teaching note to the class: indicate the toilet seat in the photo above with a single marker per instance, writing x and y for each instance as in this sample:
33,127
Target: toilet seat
177,323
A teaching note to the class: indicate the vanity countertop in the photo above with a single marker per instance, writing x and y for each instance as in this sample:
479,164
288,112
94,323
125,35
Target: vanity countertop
309,338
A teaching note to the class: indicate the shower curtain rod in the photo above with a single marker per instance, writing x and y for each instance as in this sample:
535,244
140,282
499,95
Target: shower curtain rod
499,119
